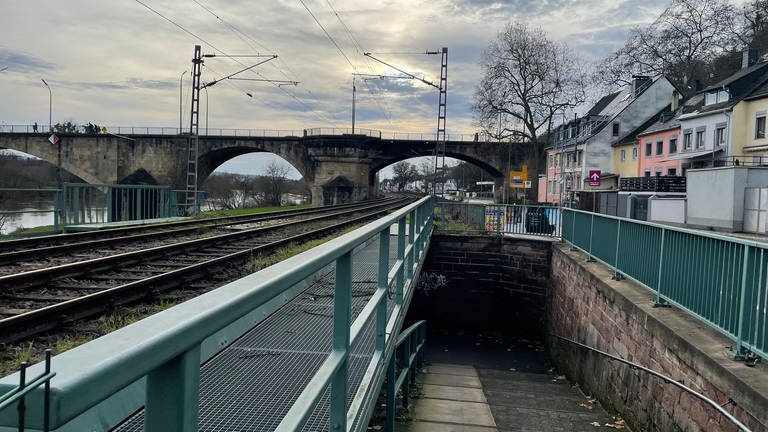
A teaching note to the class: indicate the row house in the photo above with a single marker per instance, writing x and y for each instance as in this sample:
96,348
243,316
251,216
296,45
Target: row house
659,145
587,144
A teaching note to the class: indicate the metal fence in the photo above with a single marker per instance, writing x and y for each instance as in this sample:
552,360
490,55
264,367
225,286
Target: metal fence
164,369
236,132
16,397
499,219
719,279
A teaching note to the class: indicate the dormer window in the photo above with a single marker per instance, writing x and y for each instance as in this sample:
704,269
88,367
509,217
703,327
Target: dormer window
718,96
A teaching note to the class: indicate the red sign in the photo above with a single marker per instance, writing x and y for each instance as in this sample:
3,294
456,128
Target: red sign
594,177
53,139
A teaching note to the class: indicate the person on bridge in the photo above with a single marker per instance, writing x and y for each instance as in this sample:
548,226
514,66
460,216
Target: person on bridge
34,127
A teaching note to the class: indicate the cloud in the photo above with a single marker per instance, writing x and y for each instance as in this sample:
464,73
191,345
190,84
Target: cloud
18,61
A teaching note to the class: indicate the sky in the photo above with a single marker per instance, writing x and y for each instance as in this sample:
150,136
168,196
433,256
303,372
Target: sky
126,62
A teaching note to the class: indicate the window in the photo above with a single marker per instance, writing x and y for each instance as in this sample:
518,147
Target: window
648,148
760,126
615,129
658,172
623,155
687,140
716,97
647,173
720,135
671,171
659,148
699,138
634,153
672,144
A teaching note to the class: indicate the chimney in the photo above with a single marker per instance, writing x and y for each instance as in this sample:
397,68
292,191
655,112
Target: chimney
675,101
748,58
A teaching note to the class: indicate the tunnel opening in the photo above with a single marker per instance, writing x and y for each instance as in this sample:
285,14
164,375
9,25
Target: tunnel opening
484,302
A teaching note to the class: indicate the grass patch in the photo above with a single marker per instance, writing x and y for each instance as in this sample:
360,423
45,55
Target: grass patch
291,249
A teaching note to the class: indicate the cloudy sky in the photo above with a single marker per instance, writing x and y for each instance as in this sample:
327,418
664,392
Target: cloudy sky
119,62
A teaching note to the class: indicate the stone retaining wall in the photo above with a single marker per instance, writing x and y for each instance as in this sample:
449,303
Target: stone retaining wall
585,305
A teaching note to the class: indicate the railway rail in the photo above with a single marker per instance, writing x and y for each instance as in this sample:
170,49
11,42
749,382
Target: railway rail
39,298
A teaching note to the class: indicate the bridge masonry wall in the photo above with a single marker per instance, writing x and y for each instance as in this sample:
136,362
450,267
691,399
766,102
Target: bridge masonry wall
617,317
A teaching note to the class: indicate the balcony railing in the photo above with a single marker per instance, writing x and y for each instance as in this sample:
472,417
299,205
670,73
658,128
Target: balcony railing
653,184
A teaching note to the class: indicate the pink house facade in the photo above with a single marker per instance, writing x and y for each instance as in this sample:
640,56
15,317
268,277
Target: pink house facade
659,147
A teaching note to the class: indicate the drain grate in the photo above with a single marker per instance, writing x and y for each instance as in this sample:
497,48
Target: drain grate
252,384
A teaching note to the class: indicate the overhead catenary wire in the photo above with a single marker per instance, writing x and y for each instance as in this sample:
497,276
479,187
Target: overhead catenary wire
215,48
250,41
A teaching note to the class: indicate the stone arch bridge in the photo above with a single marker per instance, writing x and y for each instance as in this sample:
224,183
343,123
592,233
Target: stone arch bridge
339,168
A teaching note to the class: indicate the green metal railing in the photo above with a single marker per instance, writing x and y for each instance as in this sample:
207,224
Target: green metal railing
17,396
498,218
99,203
155,362
410,346
721,280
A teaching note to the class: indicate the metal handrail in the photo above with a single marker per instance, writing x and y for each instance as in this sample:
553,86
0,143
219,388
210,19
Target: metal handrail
122,131
666,379
718,279
166,366
17,396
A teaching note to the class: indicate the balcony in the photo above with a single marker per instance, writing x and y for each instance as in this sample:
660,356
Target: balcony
653,184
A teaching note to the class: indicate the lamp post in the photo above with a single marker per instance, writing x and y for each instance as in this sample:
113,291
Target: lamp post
50,105
181,77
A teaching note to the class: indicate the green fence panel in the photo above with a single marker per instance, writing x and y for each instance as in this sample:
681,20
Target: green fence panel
720,280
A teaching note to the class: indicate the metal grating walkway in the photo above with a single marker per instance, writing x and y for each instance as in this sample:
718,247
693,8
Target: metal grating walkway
251,385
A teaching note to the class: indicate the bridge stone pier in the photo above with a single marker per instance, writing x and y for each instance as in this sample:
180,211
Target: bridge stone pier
339,168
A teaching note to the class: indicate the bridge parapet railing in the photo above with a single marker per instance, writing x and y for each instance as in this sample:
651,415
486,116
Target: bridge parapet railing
721,280
498,219
242,132
155,362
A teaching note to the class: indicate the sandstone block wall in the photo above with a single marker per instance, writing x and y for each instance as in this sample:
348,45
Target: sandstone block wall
617,317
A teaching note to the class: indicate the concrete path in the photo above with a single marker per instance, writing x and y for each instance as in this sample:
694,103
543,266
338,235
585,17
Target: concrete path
498,385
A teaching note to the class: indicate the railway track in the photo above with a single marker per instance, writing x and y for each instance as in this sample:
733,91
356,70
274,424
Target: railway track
20,255
37,297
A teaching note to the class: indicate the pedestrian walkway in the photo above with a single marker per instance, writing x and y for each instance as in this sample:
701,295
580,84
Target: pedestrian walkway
451,400
481,382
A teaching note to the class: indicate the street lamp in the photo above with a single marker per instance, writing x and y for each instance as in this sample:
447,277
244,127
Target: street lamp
50,105
180,98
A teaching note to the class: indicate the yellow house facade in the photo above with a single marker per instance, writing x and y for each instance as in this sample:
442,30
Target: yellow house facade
625,159
748,137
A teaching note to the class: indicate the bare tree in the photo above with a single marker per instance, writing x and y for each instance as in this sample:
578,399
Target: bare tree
276,175
752,28
527,79
679,44
404,173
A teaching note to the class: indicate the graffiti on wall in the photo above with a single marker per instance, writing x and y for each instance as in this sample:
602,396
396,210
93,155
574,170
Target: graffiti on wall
430,281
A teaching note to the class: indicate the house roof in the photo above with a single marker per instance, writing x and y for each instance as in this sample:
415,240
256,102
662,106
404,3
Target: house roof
736,76
631,137
602,104
661,126
759,92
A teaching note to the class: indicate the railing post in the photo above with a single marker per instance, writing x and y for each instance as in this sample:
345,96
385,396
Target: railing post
391,394
22,406
47,395
342,312
173,393
660,301
419,228
382,285
616,274
411,235
400,285
405,362
739,353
